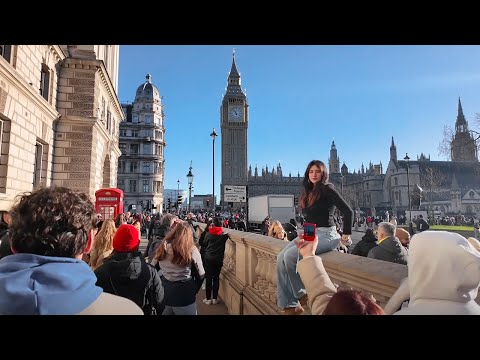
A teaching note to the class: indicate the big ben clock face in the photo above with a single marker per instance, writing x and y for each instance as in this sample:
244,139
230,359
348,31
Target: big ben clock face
235,114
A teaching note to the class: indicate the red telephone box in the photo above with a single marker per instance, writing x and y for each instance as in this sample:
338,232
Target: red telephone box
109,202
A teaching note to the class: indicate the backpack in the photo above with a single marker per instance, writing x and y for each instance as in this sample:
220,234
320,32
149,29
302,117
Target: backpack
159,234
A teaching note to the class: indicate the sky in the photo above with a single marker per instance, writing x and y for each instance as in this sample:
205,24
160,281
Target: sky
303,97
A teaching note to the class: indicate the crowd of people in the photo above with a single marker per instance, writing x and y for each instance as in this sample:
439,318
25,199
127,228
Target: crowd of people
58,257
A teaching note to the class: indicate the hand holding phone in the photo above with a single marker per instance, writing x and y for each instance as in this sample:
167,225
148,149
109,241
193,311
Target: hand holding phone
309,231
307,248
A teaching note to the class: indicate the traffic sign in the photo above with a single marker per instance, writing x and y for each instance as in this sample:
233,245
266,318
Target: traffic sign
235,189
234,198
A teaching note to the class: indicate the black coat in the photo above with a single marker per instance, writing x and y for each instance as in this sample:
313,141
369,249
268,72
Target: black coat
129,276
365,245
215,246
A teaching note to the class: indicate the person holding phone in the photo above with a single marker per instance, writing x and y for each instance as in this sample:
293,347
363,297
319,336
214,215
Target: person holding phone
319,200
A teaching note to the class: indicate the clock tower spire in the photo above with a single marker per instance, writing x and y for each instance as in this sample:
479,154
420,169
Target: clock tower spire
234,126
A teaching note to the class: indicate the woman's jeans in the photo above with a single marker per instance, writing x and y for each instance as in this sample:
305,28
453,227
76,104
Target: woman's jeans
289,285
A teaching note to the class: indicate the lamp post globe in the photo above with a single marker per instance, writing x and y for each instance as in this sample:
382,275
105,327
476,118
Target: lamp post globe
410,223
178,192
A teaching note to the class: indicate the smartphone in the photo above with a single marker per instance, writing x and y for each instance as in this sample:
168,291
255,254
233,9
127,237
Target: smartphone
309,230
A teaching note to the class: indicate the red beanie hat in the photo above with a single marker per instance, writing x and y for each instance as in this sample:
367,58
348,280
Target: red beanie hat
126,239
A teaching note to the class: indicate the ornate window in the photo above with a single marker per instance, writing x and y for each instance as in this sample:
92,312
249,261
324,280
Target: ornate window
45,81
5,52
146,167
133,186
37,175
134,149
133,167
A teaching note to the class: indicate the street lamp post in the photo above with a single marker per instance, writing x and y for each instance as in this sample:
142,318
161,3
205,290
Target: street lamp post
213,135
341,180
190,182
410,224
178,192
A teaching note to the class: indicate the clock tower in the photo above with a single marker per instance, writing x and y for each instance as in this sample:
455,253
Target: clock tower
234,126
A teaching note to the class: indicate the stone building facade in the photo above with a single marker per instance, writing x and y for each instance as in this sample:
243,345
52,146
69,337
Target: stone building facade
142,143
59,116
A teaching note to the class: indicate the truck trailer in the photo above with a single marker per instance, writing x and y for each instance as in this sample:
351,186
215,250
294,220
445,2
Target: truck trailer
276,207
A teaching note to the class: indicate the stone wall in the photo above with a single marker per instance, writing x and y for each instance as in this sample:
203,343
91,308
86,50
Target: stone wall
248,279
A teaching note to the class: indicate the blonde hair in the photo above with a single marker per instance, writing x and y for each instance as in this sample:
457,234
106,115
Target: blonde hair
102,242
276,230
137,224
180,239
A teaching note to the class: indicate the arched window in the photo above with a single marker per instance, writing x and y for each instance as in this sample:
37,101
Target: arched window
395,179
471,194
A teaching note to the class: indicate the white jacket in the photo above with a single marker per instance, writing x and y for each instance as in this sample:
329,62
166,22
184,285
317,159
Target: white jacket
443,277
109,304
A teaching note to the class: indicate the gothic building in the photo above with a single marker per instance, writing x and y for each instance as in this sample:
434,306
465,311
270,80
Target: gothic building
59,116
463,144
142,143
448,186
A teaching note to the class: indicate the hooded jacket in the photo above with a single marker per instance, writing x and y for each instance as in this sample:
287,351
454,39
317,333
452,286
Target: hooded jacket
128,275
214,242
390,249
443,276
43,285
364,246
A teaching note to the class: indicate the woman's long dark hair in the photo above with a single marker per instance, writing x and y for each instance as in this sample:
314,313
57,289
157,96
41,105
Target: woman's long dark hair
311,192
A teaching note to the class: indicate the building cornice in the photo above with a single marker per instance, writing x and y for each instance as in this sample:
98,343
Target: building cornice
26,89
57,51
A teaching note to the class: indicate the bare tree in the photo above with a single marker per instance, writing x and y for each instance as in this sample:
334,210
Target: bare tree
445,145
431,180
350,196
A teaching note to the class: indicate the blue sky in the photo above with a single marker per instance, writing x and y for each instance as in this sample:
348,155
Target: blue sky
302,97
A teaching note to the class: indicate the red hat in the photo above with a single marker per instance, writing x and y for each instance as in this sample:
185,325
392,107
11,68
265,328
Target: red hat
126,239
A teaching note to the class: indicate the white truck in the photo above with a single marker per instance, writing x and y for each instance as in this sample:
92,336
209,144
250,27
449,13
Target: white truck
277,207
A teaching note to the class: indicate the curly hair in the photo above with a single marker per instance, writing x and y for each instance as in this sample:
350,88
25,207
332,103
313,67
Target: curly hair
52,221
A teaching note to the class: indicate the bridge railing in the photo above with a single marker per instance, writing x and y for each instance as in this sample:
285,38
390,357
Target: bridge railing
248,281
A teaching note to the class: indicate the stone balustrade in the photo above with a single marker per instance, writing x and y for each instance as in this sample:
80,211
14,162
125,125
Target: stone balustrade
248,281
